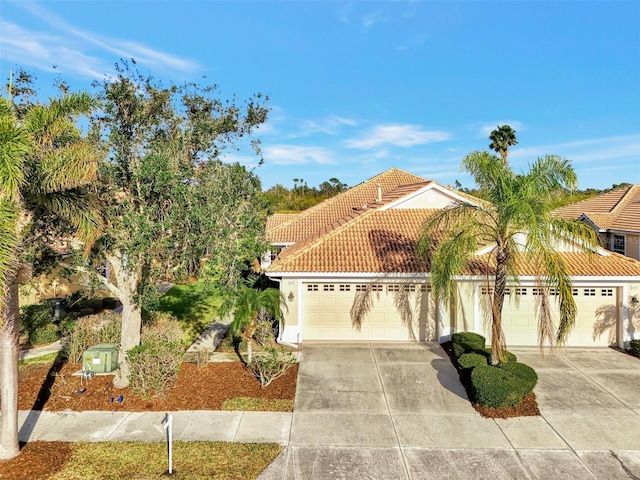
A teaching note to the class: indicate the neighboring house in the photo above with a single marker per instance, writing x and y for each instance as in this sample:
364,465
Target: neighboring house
614,215
349,272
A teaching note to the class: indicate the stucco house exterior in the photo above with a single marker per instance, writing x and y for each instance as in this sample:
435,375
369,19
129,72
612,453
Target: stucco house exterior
349,272
614,215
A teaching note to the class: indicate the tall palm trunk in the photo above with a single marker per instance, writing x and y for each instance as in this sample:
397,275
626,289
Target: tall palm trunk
9,350
499,289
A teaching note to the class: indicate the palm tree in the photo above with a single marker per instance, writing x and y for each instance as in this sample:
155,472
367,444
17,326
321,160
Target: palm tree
45,165
514,225
501,139
249,305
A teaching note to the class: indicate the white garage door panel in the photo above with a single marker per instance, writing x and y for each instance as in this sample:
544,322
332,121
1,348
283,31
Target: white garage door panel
327,313
595,322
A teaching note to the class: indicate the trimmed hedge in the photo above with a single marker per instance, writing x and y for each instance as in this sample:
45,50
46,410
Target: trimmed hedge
471,339
496,387
471,360
634,347
524,373
508,356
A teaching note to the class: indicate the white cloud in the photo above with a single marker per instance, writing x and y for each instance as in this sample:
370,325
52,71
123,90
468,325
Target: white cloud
296,155
328,126
400,135
74,50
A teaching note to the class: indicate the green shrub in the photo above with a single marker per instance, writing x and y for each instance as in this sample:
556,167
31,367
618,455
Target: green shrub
509,357
271,364
496,387
34,318
634,347
92,330
161,326
154,367
466,342
471,360
47,334
459,349
527,375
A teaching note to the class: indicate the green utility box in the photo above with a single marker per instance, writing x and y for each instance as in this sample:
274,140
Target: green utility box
101,358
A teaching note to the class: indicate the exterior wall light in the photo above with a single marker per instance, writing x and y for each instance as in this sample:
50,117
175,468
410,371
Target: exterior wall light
290,297
634,300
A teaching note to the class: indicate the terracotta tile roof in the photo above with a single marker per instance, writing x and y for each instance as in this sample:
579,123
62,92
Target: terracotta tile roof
384,242
374,241
580,265
617,210
330,211
278,218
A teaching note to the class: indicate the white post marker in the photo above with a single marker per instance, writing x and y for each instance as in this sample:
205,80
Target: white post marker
167,423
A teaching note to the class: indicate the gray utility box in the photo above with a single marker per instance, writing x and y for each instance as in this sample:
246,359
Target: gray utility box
101,358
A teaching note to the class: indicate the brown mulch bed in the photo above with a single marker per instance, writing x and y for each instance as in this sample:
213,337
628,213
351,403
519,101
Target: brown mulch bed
42,387
527,408
51,388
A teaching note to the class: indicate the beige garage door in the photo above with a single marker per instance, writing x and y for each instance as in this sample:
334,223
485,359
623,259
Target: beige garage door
396,312
595,324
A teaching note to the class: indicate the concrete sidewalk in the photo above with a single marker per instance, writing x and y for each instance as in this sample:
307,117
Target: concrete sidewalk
94,426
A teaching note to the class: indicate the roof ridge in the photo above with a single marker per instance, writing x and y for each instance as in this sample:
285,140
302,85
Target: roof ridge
309,211
625,199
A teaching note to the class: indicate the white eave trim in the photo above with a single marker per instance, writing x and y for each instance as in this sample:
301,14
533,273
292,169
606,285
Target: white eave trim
377,277
432,186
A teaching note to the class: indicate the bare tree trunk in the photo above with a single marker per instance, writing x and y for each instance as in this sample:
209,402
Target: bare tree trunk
131,316
9,350
500,286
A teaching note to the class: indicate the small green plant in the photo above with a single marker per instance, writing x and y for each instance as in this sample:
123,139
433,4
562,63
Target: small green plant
634,347
271,364
201,357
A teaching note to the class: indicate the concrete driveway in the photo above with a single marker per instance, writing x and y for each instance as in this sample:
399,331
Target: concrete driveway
397,411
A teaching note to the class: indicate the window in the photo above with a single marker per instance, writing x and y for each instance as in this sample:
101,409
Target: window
361,288
521,291
376,288
345,288
327,287
312,288
537,291
393,288
486,291
575,292
424,288
553,291
589,292
606,292
409,288
617,245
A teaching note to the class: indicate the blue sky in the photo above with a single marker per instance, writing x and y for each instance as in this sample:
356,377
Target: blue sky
358,87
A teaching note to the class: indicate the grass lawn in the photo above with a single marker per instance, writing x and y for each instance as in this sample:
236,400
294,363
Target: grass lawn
195,305
143,460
